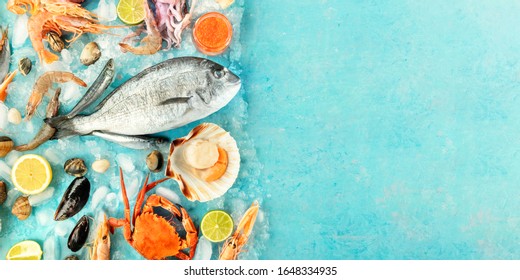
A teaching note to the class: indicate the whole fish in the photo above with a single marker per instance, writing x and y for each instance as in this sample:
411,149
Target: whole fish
133,142
5,54
46,132
99,86
168,95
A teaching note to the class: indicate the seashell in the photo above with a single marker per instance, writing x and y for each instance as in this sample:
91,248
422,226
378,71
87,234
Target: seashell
55,41
14,116
155,161
25,66
225,3
90,54
21,208
79,234
205,163
6,145
75,167
100,166
72,258
74,199
3,192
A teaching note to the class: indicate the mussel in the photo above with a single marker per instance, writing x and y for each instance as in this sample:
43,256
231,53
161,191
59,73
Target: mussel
79,234
3,192
75,167
74,199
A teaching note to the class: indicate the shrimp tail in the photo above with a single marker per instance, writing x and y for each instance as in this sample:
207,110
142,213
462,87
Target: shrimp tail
47,56
4,84
79,81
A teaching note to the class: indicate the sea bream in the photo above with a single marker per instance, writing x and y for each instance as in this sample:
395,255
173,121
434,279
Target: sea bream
168,95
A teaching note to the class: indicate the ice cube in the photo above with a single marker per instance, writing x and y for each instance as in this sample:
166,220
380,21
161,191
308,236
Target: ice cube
50,248
63,228
11,158
204,250
106,10
42,197
3,116
44,217
132,187
168,194
71,93
12,195
54,156
5,171
111,201
125,162
20,32
98,196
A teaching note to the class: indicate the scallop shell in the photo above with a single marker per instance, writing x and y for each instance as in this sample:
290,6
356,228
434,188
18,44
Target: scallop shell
195,184
21,208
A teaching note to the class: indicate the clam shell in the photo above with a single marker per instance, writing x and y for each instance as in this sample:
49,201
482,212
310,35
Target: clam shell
90,54
191,181
6,145
55,41
154,161
21,208
75,167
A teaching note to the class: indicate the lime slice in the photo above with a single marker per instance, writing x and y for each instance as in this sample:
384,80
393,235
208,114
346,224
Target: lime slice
31,174
131,11
216,225
25,250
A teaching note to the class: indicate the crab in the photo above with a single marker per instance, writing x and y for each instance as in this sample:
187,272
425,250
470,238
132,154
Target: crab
161,230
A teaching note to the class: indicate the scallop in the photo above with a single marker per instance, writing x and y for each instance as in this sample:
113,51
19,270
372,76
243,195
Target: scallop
75,167
3,192
154,161
21,208
90,54
205,163
6,145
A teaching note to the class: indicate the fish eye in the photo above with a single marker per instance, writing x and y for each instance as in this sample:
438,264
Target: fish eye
219,73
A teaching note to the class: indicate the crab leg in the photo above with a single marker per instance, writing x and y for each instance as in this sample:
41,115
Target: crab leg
140,197
115,223
192,236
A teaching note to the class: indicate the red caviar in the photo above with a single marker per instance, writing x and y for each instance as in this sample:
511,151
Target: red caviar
212,33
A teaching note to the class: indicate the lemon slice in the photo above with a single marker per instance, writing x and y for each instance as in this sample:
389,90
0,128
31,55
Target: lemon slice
25,250
131,11
216,225
31,174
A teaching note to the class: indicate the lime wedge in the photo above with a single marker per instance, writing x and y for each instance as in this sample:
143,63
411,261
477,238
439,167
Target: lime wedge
216,225
131,11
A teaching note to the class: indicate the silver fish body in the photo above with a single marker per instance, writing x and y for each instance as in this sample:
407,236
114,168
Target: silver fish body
5,54
133,142
99,86
168,95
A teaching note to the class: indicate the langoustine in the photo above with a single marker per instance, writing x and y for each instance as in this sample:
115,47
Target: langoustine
233,245
56,16
43,84
101,248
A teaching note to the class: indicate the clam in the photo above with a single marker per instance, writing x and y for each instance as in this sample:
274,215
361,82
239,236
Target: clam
101,165
72,258
74,199
90,54
155,161
79,234
55,41
75,167
3,192
6,145
25,66
21,208
205,163
14,116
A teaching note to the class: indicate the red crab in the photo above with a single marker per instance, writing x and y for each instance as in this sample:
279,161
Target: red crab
161,229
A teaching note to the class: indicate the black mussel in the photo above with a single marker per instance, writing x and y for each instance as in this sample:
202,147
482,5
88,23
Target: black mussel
72,258
74,199
79,234
75,167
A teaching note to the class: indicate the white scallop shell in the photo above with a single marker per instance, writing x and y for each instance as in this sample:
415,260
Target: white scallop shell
191,185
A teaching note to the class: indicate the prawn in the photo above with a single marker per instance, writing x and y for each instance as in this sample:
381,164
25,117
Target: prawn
233,245
152,42
5,84
43,84
101,248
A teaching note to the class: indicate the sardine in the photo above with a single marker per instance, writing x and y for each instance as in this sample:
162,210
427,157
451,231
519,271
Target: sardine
133,142
168,95
99,86
47,131
5,54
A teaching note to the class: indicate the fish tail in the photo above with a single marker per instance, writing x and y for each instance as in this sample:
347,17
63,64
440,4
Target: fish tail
63,125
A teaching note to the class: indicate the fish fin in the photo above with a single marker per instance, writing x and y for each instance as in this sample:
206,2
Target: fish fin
56,122
175,100
63,133
63,125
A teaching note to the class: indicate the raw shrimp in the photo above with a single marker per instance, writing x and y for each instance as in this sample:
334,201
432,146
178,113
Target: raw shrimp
152,42
43,84
101,248
4,84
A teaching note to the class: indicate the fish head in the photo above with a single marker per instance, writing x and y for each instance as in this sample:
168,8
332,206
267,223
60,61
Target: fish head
220,87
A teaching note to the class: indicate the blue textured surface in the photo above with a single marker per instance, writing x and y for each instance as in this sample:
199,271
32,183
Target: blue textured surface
386,129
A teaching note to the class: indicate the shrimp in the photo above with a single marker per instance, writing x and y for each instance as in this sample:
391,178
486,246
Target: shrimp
43,84
36,28
101,248
4,84
233,245
152,42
